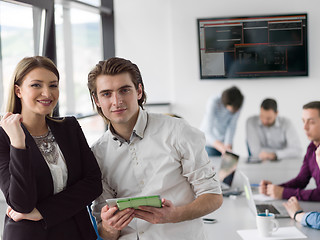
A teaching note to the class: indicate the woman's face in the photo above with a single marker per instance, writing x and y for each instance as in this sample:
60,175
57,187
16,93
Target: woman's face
39,92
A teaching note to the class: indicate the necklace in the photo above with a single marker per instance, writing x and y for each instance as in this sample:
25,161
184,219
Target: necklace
48,147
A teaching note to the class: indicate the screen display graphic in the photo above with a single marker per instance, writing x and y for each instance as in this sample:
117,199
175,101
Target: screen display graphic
260,46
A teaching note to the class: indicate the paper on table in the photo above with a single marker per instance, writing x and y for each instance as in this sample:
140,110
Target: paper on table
282,233
262,197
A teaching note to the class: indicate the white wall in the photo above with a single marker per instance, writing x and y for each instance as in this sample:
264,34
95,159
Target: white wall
143,35
161,37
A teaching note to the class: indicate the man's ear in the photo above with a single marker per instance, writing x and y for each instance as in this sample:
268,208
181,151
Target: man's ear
96,100
139,90
17,91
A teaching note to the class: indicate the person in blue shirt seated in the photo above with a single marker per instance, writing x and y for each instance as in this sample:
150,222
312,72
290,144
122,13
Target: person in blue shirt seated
308,219
220,120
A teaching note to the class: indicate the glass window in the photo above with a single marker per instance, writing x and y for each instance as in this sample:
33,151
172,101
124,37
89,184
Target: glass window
79,48
78,42
93,127
17,41
96,3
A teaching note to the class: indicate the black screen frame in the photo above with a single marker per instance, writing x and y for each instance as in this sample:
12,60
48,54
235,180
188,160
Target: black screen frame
277,59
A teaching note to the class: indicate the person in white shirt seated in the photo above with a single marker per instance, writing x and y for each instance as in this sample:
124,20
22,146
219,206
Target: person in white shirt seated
271,137
144,154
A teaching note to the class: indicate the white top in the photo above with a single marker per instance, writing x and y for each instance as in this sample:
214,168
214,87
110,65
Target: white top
165,156
54,158
59,173
281,138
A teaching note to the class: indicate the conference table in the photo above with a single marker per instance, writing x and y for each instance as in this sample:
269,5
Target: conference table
235,214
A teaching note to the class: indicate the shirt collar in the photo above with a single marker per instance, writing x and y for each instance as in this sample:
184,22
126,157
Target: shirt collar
141,123
115,136
138,129
313,146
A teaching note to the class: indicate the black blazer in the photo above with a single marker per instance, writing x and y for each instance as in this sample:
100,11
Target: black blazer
25,180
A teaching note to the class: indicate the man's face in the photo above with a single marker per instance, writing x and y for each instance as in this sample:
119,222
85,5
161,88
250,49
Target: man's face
118,99
267,117
311,124
231,109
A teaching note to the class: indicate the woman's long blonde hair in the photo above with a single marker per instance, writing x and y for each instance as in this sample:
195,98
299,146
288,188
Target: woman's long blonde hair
25,66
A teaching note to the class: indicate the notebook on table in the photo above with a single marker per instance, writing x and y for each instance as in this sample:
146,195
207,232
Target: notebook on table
274,207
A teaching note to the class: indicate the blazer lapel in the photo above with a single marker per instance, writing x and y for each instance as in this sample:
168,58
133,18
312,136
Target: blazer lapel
42,170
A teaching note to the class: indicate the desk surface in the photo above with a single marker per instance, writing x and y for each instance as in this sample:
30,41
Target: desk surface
235,214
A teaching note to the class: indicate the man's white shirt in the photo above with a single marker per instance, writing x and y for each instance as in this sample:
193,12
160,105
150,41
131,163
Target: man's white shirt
165,156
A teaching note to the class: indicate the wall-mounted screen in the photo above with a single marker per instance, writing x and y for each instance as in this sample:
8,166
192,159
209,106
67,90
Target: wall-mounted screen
259,46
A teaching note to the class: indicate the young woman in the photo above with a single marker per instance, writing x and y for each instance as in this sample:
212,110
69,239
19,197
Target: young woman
48,173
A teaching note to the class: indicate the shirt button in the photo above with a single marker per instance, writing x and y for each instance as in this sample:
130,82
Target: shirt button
142,182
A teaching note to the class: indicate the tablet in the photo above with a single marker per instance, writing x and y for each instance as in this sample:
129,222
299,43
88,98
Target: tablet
135,202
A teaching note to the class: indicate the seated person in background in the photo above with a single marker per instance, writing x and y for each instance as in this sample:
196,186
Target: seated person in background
309,219
145,154
296,187
220,120
271,137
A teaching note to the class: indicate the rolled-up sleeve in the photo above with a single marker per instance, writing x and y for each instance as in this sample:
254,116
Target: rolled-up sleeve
311,219
196,165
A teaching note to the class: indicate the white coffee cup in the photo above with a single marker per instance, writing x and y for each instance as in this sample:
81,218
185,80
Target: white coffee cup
267,224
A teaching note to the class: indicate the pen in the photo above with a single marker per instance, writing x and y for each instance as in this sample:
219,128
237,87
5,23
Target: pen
255,185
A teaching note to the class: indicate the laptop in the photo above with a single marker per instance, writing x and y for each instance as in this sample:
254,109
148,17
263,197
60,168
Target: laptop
274,207
229,162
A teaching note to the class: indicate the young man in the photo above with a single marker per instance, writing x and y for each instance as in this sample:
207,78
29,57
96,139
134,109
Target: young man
271,137
145,154
307,219
296,187
220,121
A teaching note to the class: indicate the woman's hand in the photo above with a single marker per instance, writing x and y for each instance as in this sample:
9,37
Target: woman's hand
35,215
11,123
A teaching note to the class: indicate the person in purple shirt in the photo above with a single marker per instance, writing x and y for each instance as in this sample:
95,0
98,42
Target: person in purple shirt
307,219
309,169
